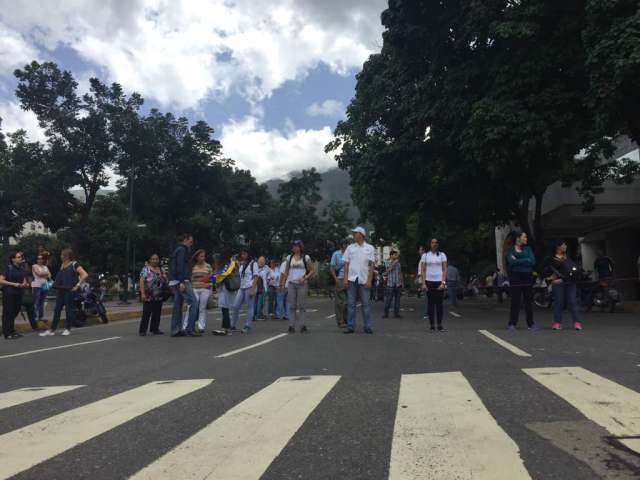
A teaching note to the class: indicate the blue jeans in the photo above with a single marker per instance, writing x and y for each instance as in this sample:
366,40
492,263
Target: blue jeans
355,290
38,303
452,287
241,297
259,305
392,295
64,298
179,299
564,294
281,304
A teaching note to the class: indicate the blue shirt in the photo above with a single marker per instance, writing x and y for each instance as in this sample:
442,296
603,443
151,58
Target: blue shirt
338,263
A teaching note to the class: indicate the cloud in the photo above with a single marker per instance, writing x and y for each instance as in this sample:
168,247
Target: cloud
328,108
14,118
272,153
180,52
14,50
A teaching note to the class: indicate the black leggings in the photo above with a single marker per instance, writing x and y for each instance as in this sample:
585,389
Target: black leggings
226,319
11,305
521,292
435,295
151,310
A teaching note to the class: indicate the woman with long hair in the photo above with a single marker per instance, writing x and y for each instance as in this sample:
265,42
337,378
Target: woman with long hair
14,281
69,279
562,272
201,273
152,285
521,262
434,282
225,266
299,269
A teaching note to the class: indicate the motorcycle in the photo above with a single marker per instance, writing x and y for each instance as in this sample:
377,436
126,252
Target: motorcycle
542,293
89,303
604,295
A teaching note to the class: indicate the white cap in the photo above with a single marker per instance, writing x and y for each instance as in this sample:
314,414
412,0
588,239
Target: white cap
359,230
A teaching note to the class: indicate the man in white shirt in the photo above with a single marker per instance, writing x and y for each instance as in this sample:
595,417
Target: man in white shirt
273,280
246,292
358,259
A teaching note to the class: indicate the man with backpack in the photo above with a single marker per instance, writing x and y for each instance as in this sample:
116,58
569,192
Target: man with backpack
248,270
337,272
180,283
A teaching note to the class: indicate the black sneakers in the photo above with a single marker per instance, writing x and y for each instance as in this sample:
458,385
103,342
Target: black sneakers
291,330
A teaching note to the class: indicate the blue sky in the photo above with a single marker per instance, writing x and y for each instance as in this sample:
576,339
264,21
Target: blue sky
272,77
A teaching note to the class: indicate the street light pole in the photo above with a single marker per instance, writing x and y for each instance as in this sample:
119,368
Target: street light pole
128,247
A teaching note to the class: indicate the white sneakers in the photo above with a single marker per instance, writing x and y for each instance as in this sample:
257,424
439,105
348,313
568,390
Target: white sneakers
49,333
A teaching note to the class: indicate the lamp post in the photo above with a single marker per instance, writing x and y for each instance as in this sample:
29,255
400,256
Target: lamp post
133,263
125,300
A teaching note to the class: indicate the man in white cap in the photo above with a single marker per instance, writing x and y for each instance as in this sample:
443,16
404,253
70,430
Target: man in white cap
358,259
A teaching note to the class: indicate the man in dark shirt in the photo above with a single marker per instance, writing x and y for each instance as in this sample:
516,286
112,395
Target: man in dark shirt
13,282
180,283
603,266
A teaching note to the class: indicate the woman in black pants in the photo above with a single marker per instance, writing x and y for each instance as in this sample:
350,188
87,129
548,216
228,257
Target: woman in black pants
152,282
14,282
521,261
433,267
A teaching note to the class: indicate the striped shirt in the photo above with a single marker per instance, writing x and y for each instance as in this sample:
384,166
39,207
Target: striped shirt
394,275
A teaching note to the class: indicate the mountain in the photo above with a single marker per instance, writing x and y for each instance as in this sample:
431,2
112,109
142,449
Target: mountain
333,186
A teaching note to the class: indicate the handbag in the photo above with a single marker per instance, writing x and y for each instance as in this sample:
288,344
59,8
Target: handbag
46,286
212,302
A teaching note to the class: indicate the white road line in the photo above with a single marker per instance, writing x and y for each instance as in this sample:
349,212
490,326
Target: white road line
254,345
612,406
455,314
58,347
26,447
243,442
331,316
29,394
443,431
512,348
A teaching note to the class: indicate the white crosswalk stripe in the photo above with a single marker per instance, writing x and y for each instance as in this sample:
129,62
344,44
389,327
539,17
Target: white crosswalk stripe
612,406
40,441
443,431
244,441
442,428
25,395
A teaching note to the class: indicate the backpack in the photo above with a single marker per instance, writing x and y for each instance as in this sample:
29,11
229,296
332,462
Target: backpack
232,282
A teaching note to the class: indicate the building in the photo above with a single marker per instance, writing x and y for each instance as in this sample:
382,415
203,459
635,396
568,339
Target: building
30,228
612,227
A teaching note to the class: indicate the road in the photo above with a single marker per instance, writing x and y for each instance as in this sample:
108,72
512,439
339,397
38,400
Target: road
399,404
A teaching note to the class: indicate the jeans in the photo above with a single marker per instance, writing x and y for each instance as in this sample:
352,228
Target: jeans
151,310
241,297
564,294
297,299
392,294
436,298
521,291
281,304
202,298
226,319
452,288
354,291
64,298
259,305
11,305
179,299
38,302
272,294
340,304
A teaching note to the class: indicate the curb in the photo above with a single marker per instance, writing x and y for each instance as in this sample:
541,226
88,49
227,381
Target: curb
114,317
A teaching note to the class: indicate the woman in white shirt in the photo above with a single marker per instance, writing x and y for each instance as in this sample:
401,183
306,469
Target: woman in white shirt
299,269
41,275
434,275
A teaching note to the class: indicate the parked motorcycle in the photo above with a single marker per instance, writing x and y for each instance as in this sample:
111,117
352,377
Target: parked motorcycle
604,296
89,303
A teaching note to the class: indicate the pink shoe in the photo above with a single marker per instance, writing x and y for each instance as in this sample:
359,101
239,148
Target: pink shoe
556,326
577,326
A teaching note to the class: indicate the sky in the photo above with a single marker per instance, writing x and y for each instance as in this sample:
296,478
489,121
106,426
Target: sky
273,77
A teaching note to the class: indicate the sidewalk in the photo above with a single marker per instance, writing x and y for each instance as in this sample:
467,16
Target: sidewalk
115,312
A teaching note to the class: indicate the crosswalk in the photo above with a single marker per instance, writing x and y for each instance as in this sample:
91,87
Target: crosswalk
442,428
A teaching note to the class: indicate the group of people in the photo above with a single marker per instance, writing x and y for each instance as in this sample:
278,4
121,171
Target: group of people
239,280
20,280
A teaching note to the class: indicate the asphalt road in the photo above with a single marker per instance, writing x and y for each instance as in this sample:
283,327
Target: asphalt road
466,408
